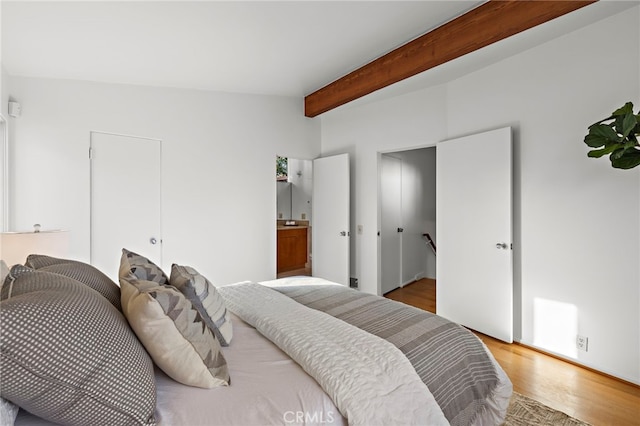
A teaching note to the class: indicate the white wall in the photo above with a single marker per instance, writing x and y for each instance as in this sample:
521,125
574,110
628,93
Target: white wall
572,209
576,228
4,92
4,105
4,136
219,197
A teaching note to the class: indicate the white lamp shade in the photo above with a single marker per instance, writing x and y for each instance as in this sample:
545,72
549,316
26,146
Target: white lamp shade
16,246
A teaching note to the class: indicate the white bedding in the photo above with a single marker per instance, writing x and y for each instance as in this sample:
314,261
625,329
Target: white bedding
497,404
368,378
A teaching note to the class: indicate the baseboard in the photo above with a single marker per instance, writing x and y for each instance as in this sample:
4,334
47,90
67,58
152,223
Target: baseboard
578,364
416,277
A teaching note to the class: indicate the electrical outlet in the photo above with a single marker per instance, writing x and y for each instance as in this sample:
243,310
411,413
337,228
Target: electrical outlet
582,343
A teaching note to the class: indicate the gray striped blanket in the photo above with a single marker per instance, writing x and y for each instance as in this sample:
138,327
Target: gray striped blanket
449,359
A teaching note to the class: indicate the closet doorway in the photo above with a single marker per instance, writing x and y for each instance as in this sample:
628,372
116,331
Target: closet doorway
407,208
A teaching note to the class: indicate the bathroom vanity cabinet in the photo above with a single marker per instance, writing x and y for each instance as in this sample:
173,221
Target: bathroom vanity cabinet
292,248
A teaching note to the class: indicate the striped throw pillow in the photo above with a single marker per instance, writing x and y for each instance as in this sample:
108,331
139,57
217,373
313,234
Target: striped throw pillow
206,299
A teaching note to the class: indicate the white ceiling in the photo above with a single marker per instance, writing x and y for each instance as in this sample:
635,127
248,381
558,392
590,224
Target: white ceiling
289,48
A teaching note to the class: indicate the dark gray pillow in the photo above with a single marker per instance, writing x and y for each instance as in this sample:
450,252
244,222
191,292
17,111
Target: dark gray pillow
83,272
69,356
37,261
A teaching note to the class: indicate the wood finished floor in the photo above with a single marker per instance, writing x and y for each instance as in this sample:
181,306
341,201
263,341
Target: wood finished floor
587,395
295,272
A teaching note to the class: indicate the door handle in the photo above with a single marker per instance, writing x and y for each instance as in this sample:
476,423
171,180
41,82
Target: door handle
343,233
400,229
502,246
152,240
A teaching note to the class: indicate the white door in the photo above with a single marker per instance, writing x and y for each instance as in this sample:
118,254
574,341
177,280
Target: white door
330,212
125,200
473,228
390,223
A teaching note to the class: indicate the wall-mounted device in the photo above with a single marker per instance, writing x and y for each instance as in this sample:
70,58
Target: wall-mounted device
15,109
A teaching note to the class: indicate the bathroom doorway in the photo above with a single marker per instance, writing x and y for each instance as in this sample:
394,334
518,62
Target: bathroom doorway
294,188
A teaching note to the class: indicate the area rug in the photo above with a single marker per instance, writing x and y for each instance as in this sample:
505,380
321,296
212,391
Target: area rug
524,411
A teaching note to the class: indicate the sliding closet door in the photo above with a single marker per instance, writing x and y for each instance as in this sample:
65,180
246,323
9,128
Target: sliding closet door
473,221
125,199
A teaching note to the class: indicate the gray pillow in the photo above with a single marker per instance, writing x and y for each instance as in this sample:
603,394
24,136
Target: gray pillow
80,271
206,299
173,332
69,356
37,261
141,268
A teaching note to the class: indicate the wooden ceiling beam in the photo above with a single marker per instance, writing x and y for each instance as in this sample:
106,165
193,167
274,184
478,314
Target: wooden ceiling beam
486,24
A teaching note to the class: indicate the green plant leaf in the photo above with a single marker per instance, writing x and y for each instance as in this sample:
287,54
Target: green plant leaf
628,124
630,160
600,134
617,136
617,153
595,141
626,109
597,153
601,121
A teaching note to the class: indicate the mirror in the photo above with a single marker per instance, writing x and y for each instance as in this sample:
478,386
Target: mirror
294,186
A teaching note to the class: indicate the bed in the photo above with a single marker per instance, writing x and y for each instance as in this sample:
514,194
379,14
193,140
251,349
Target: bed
299,350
